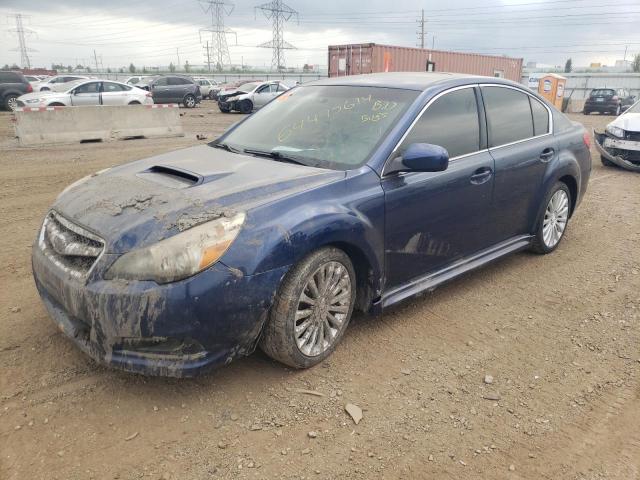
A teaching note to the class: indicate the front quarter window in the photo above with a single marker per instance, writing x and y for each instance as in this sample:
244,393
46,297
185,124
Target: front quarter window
335,127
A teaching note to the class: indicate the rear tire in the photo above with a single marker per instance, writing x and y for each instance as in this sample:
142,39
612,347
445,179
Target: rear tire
11,102
189,101
212,96
311,310
586,112
553,220
246,106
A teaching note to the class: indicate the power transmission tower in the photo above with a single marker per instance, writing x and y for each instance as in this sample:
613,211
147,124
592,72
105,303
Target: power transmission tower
219,48
22,32
208,55
421,34
278,12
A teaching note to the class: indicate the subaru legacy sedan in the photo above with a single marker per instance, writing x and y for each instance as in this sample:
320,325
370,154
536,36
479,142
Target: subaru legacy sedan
346,193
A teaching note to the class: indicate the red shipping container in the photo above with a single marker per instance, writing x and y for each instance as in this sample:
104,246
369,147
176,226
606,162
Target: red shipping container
370,57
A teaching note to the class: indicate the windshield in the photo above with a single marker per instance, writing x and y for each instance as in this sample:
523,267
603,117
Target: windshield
601,92
247,87
635,108
334,127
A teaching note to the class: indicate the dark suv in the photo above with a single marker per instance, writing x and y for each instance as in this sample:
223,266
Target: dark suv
175,89
608,100
12,85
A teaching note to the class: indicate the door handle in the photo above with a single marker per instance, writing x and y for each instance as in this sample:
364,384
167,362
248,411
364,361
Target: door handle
547,154
481,175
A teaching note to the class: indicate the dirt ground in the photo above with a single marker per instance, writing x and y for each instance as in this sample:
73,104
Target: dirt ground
559,334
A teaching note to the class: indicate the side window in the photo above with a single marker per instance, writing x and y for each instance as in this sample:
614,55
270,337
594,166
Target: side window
281,88
540,117
176,81
263,89
112,87
161,82
508,115
91,87
451,122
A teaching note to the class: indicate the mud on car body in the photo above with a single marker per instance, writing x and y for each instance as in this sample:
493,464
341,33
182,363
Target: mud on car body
619,144
347,193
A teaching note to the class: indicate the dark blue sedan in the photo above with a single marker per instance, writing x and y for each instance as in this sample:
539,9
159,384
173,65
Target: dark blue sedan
346,193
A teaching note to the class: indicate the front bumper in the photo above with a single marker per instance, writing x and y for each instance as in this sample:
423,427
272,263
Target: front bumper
624,153
227,104
178,329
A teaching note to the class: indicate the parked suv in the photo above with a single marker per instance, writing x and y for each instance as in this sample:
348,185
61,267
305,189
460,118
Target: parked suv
608,100
12,85
175,89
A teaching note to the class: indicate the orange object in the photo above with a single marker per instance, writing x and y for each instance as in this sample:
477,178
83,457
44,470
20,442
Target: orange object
551,87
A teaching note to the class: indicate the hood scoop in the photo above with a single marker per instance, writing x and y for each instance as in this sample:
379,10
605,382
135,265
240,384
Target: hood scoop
171,177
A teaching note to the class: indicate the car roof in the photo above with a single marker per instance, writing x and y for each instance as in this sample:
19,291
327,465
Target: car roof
408,80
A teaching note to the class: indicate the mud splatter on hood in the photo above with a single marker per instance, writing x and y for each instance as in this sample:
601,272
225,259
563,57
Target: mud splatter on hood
140,203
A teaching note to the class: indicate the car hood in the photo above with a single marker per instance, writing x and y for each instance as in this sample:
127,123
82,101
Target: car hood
232,92
36,95
140,203
628,121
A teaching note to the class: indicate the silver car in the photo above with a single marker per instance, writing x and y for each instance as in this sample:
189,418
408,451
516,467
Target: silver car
249,96
92,92
206,87
58,83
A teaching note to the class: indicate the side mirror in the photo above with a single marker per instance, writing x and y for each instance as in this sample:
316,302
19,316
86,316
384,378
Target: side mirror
420,157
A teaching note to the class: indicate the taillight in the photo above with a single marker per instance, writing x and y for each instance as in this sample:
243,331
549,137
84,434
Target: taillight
29,88
587,139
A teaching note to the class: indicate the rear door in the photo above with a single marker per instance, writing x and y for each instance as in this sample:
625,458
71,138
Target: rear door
522,143
114,94
436,218
86,94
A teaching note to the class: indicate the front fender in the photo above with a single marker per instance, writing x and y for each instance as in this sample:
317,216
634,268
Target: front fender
347,213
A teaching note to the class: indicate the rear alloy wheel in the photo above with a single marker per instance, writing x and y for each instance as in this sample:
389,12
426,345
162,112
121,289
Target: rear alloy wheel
11,102
554,219
246,106
212,96
312,309
189,101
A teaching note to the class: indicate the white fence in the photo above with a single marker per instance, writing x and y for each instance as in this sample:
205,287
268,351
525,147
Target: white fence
580,84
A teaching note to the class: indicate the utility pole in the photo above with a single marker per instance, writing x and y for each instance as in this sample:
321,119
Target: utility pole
22,32
421,36
178,54
279,13
208,57
219,47
95,58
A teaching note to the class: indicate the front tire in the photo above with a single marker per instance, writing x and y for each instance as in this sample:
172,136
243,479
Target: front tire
311,310
189,101
246,106
606,162
553,220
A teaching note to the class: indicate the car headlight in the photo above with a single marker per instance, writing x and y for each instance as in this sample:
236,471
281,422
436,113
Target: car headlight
34,100
180,256
615,131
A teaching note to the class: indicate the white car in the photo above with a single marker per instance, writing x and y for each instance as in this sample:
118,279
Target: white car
92,92
249,96
58,83
619,144
206,87
136,79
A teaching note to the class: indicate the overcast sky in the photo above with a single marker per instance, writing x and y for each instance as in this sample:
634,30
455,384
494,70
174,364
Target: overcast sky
148,33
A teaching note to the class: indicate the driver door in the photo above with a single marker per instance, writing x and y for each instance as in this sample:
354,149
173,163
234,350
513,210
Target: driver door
86,94
264,95
436,218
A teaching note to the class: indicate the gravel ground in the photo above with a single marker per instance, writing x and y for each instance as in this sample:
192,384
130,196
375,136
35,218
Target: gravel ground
528,368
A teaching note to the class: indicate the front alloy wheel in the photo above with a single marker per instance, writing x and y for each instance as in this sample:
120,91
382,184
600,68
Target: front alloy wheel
311,310
11,102
189,101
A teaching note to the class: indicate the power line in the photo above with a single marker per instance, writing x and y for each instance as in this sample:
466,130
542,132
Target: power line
279,13
219,48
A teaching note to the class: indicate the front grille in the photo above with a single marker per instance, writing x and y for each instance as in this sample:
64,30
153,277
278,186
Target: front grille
69,246
634,136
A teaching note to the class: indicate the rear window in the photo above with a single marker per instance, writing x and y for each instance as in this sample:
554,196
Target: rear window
602,92
508,115
10,77
540,117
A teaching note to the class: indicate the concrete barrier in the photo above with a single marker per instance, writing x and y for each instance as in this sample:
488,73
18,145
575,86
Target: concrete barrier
52,125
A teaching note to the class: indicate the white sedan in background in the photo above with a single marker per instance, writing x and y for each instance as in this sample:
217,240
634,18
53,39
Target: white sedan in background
249,96
91,92
58,83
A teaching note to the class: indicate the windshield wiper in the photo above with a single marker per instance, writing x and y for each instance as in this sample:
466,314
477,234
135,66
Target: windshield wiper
277,155
227,147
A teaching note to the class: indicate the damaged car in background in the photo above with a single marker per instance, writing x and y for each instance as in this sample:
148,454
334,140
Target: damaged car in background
249,96
619,144
348,193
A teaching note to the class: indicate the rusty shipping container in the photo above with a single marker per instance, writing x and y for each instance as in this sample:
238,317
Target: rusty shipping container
370,57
